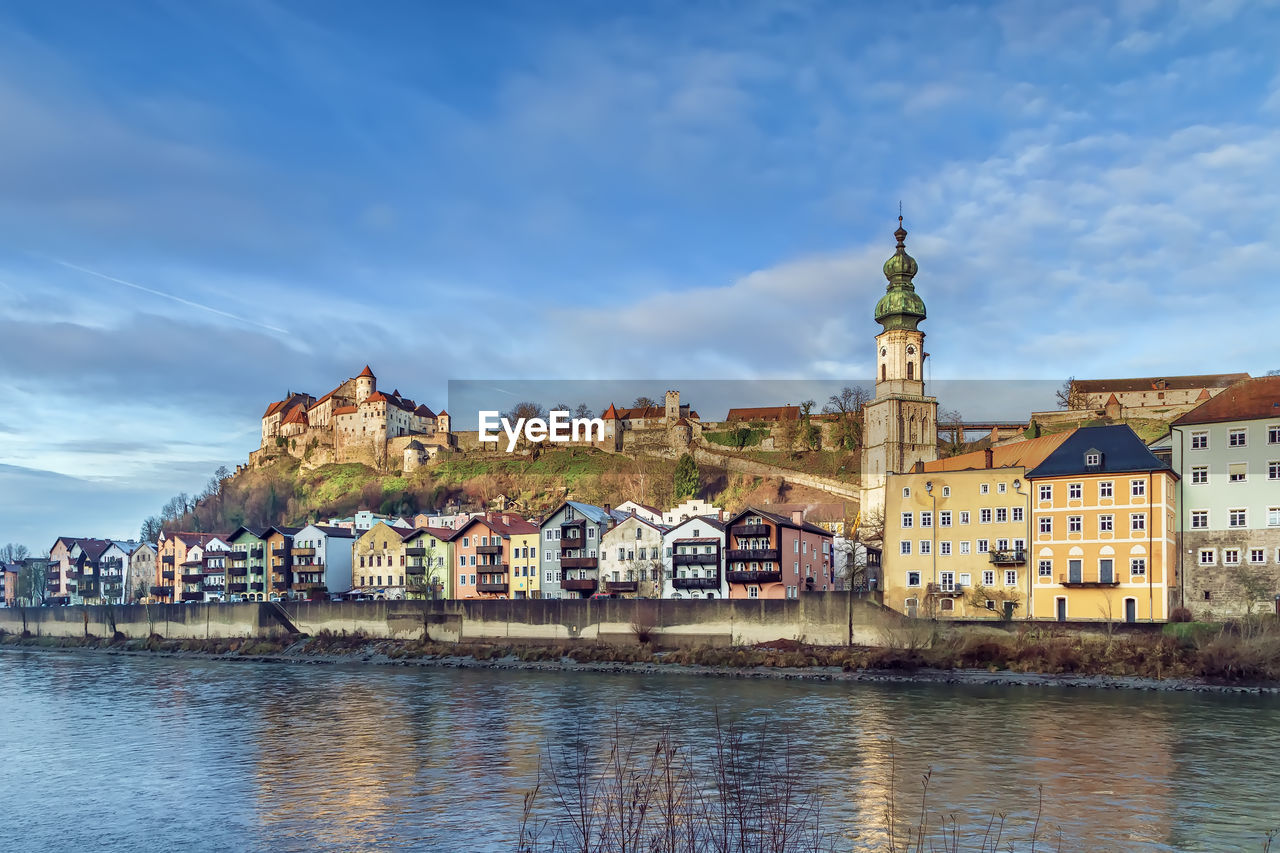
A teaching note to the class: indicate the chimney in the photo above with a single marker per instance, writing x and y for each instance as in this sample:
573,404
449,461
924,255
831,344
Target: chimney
797,516
987,458
607,509
918,467
506,520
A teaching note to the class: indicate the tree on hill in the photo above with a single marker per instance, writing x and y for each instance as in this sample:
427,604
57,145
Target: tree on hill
847,406
810,433
525,409
1069,396
583,411
686,478
951,424
644,403
151,527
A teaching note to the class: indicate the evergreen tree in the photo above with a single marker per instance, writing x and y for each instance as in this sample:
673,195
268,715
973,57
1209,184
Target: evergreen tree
686,478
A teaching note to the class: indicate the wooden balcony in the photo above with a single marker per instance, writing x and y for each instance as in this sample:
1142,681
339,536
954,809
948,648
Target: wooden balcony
1008,557
944,590
622,586
304,552
237,571
193,596
695,559
162,591
308,586
695,583
750,530
192,577
256,586
167,559
752,555
579,585
579,562
489,549
492,587
412,552
237,587
279,583
1079,581
572,545
755,577
167,574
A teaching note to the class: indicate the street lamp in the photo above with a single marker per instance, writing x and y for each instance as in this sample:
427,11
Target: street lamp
933,526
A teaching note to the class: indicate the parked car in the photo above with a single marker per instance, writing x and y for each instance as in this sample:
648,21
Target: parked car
236,599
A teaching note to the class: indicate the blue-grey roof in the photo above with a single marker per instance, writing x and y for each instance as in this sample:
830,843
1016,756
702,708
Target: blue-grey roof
1122,452
593,512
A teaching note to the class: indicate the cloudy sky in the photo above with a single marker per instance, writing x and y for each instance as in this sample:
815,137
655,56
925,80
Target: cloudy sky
203,205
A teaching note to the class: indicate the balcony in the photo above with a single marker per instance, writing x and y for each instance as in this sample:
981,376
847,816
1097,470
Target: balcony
1008,557
256,586
167,574
279,550
237,571
279,583
696,583
572,545
622,586
755,577
579,562
493,587
579,585
193,577
750,530
695,559
752,555
193,596
411,552
308,586
304,552
167,559
945,589
237,587
489,549
1078,582
255,552
162,591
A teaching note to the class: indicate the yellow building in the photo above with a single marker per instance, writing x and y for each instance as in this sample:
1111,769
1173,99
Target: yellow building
380,562
1076,526
956,533
429,563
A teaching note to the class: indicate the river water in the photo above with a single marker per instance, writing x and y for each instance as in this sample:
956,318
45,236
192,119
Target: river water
112,753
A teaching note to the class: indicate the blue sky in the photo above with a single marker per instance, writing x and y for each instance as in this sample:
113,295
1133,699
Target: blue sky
203,205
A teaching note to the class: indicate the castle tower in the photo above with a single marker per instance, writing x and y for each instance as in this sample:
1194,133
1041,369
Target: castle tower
673,407
900,427
366,384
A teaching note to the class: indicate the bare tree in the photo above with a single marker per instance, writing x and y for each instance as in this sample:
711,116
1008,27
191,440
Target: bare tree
848,405
951,424
583,411
644,403
33,584
1069,396
525,409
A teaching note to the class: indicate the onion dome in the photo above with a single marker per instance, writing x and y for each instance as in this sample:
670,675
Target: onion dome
901,307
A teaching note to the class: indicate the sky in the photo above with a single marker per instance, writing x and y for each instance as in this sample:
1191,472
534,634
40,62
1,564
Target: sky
205,205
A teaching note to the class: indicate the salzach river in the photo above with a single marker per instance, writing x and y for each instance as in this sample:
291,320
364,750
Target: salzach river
108,753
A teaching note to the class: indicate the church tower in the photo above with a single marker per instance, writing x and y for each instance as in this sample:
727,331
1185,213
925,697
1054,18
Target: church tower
900,427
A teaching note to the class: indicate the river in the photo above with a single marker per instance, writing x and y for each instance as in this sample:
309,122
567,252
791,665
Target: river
115,753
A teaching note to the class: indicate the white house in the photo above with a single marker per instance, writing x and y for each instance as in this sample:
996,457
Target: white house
321,559
693,551
631,558
692,508
648,513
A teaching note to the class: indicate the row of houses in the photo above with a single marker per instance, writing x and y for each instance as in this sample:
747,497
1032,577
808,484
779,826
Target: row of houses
1094,524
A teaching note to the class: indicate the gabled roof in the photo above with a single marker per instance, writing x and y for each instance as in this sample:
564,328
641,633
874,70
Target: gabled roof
1248,400
94,548
515,525
658,526
444,534
1122,452
279,528
423,412
1159,383
588,511
338,532
365,372
255,532
1016,454
345,410
776,518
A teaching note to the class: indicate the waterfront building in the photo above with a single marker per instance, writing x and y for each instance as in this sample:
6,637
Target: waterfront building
776,556
380,563
95,572
9,583
900,426
570,549
956,534
631,563
1227,455
278,578
57,589
171,553
496,556
693,550
321,561
429,569
245,578
141,572
215,559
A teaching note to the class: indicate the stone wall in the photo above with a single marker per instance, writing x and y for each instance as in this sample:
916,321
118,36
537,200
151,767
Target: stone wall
743,465
821,618
1231,590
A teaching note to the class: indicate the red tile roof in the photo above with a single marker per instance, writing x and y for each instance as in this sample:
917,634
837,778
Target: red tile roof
365,372
610,414
1252,399
1159,383
345,410
764,413
1018,454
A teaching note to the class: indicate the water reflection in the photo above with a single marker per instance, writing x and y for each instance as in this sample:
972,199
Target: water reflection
140,753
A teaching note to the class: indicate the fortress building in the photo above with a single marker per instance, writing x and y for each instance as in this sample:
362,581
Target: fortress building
354,422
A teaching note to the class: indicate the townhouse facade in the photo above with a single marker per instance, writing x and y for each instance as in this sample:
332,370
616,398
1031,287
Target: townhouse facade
631,557
321,561
215,557
693,551
380,562
429,571
769,555
569,552
246,570
9,583
496,557
172,555
141,573
1227,455
96,572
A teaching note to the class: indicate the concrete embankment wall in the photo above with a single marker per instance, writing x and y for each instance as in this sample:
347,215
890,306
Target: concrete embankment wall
820,618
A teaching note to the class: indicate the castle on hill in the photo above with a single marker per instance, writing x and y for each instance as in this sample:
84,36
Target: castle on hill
354,422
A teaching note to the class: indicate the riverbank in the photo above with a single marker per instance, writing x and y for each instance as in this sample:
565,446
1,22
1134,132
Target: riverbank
784,661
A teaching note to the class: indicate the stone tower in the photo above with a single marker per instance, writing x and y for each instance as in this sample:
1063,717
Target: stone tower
673,407
900,427
366,384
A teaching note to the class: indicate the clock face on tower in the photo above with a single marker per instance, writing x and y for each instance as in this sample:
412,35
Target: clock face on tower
884,351
911,350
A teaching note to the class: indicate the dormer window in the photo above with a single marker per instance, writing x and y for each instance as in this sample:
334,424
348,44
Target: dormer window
1092,459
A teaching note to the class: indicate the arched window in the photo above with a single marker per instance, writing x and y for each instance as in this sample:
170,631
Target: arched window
911,372
883,372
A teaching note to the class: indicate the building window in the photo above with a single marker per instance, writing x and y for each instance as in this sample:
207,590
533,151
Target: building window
1075,523
926,519
1106,523
1045,568
906,491
1237,518
1206,557
907,519
989,577
1010,577
1046,524
1257,555
1138,521
1017,513
1138,488
1093,459
913,579
1002,514
753,592
1236,438
1231,556
1273,516
984,516
1199,519
1105,489
946,491
1273,434
1000,488
1075,491
1200,474
964,516
1200,440
1046,492
944,518
964,547
944,548
1138,566
904,547
925,546
984,488
1273,470
1237,472
983,546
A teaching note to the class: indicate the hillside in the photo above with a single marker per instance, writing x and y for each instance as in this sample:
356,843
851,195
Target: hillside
284,493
